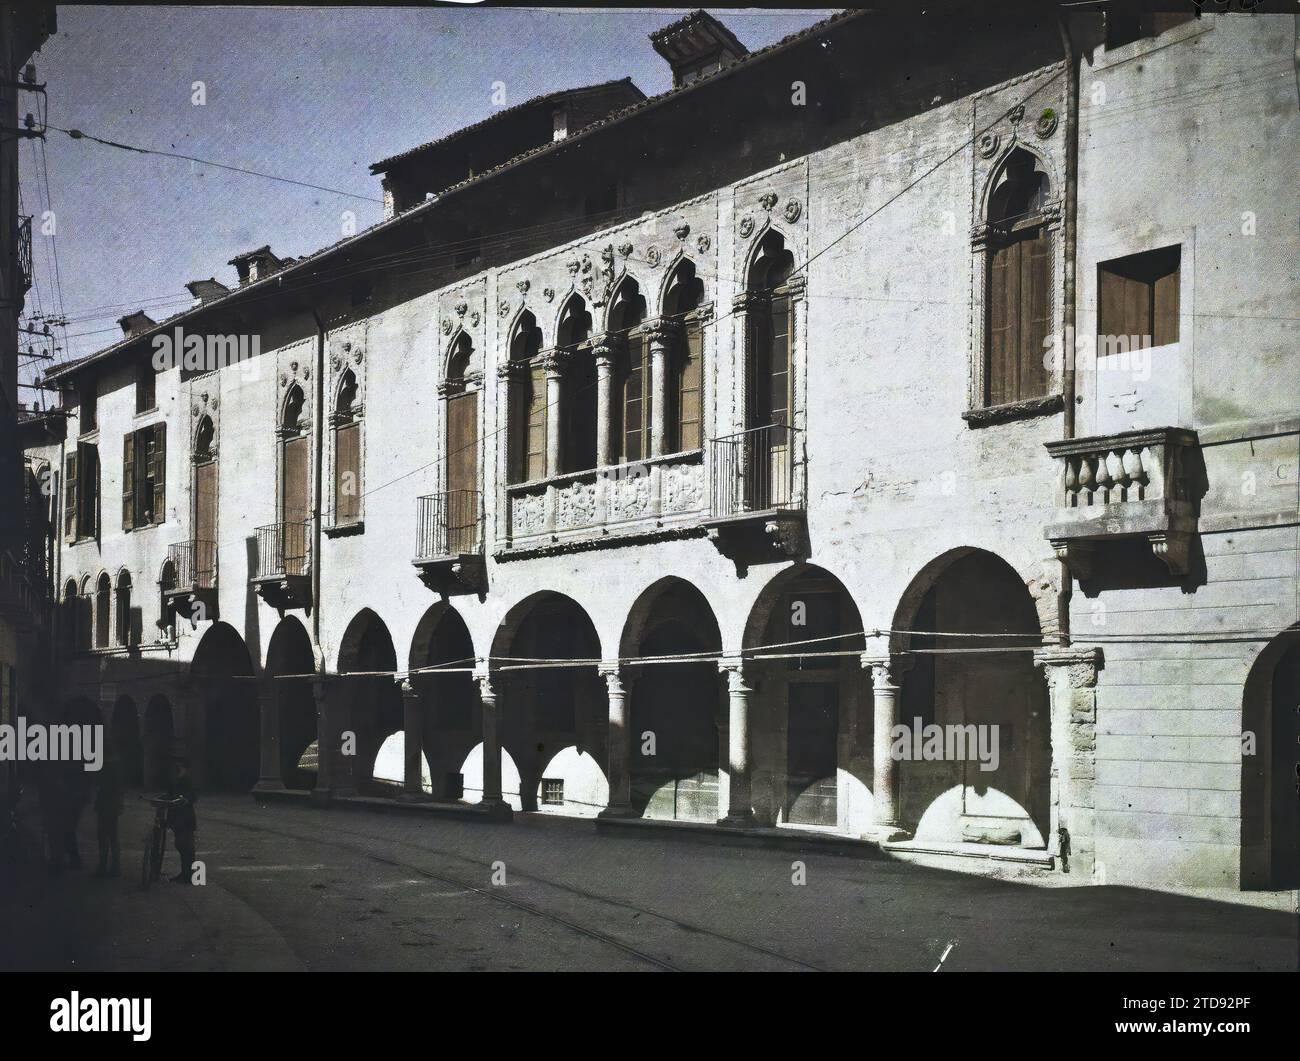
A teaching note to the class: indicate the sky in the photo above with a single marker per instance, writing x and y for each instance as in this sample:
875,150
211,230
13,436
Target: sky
311,94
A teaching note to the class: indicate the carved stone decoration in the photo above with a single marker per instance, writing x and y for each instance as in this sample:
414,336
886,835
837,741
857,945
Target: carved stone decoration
768,201
504,308
684,488
989,144
523,286
746,227
1017,114
548,293
575,505
792,210
682,231
573,265
284,379
1046,124
653,257
205,404
446,327
629,497
625,249
461,308
704,243
474,318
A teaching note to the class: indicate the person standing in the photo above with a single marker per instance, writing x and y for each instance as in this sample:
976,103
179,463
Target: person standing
108,809
182,819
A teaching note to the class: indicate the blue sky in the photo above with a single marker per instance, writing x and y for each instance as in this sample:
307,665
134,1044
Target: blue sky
316,95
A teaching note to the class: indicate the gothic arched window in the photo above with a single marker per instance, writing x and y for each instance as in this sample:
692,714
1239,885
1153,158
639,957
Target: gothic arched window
685,391
526,456
346,423
632,403
1018,279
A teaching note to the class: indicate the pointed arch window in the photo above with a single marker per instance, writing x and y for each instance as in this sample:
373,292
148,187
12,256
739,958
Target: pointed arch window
769,398
346,423
124,629
577,404
526,450
462,503
1017,283
103,609
683,301
295,484
632,408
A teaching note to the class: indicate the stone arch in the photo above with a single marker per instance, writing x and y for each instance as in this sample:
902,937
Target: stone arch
811,707
290,670
681,275
450,722
366,651
1015,151
674,708
1270,823
549,709
204,439
292,408
126,614
573,321
626,293
763,246
126,741
525,335
221,671
157,742
103,610
974,600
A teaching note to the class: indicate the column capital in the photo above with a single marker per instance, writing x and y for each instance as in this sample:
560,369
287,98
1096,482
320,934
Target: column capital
1082,664
515,368
483,678
606,346
886,669
555,361
405,686
734,668
613,675
661,330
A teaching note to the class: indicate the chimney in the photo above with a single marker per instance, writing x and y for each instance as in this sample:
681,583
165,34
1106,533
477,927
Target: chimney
696,46
136,323
206,290
255,265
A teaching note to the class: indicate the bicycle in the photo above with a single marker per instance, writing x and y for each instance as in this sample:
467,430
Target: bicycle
155,840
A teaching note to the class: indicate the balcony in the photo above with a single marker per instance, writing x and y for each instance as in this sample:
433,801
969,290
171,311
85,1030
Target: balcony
449,542
662,497
282,572
756,509
1134,485
189,585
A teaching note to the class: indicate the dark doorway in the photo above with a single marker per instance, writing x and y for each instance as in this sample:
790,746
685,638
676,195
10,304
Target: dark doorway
812,736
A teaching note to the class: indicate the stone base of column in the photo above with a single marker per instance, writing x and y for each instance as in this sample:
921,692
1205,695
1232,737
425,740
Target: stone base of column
888,834
497,810
739,820
415,797
618,811
324,796
268,784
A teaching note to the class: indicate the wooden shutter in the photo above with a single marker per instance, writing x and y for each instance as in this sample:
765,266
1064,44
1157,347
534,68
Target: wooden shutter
205,505
128,482
634,402
158,473
779,361
347,473
690,390
1164,326
462,473
1003,323
1035,315
535,458
70,510
294,504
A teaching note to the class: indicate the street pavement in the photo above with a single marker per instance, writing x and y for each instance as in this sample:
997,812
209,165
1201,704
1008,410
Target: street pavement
290,886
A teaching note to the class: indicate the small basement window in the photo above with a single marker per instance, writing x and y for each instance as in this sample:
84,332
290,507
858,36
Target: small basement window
552,791
1137,296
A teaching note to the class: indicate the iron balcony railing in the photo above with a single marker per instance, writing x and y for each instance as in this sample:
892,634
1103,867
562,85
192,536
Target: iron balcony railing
753,471
449,524
194,563
284,549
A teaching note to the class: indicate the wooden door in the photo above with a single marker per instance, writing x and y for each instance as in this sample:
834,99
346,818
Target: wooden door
812,753
462,502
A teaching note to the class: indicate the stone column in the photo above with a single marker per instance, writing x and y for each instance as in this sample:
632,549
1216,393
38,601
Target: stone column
268,702
740,797
604,351
885,675
492,798
660,334
1071,675
618,745
333,718
553,363
412,740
